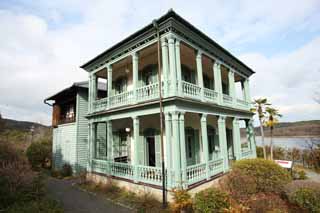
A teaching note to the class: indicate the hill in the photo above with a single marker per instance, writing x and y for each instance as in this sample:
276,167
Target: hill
21,125
293,129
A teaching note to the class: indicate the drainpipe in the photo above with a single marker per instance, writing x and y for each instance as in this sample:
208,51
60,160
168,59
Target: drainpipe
164,203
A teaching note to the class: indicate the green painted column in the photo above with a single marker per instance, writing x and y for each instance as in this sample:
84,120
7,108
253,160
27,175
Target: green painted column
165,64
204,136
200,73
135,79
223,142
168,147
109,82
172,62
178,63
251,137
176,149
89,162
92,144
232,87
246,90
89,94
183,150
236,138
109,141
218,81
135,162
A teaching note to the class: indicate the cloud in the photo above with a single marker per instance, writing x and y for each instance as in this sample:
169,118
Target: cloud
42,44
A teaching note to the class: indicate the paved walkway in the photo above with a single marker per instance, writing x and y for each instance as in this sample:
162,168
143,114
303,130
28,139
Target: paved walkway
76,200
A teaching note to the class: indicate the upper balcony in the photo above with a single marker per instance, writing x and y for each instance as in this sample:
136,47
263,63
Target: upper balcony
186,72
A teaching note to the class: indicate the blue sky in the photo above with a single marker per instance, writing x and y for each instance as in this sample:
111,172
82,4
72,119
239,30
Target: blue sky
43,43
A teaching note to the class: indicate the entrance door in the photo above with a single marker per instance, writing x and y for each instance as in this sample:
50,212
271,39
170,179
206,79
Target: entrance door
151,151
230,144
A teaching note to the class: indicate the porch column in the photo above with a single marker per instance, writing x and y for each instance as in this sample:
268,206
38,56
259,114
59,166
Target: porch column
246,91
172,62
165,65
217,80
204,137
109,141
178,63
199,72
232,87
183,149
89,94
92,90
135,68
169,142
92,144
236,138
176,149
109,83
223,142
251,138
135,162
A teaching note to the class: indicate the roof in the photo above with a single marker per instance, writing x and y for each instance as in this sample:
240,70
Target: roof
170,14
75,85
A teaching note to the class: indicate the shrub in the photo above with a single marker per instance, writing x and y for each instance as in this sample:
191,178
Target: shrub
267,175
66,170
306,198
299,174
263,202
39,153
305,194
42,205
211,200
182,200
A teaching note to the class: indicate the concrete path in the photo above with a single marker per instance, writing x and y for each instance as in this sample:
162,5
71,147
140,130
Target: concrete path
76,200
313,175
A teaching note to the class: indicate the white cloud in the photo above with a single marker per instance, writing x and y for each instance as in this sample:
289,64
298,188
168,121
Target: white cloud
42,44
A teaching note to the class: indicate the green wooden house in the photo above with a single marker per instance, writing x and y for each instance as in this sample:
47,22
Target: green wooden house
206,100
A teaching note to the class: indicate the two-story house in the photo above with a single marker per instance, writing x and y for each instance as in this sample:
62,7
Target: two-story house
206,100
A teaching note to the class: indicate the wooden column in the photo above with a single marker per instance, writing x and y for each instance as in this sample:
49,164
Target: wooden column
223,142
136,130
183,150
200,72
172,62
178,63
204,136
236,138
135,79
232,87
169,142
165,65
176,149
218,81
109,141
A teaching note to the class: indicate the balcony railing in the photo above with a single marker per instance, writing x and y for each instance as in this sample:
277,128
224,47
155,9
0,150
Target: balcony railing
196,173
151,92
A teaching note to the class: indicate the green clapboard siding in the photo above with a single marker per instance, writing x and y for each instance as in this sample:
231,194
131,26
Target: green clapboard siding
82,133
64,145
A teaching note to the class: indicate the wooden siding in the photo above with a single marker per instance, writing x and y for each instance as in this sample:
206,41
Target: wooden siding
82,132
64,145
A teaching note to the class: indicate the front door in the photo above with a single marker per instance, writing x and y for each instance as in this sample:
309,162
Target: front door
230,144
151,151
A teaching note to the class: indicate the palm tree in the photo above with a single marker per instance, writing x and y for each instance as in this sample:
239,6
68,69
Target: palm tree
259,109
272,120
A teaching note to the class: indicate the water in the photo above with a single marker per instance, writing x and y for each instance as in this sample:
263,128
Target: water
287,142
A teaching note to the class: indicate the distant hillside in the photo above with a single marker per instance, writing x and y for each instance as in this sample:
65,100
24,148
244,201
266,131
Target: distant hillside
299,128
21,125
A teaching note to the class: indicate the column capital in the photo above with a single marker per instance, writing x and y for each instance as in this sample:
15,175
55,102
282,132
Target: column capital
204,117
135,118
177,42
217,63
167,114
109,67
164,41
199,54
222,118
135,56
171,38
235,120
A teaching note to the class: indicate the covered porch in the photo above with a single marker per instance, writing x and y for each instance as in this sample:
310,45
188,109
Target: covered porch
196,147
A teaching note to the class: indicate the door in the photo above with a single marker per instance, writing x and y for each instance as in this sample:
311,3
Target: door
151,150
190,146
230,144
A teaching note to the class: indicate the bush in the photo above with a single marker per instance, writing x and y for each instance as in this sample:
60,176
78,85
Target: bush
66,170
308,199
42,205
182,200
263,202
305,194
299,174
266,175
211,200
39,153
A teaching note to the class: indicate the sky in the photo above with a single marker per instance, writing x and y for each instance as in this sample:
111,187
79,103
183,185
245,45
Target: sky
43,44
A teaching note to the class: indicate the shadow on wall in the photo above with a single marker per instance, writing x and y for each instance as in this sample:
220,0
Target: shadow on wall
58,161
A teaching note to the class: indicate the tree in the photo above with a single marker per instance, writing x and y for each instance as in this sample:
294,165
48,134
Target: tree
272,120
259,109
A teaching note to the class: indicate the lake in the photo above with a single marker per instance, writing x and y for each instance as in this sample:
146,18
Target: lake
286,142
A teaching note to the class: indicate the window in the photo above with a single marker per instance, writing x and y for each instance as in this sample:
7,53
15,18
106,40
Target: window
68,112
120,85
225,88
149,74
208,83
